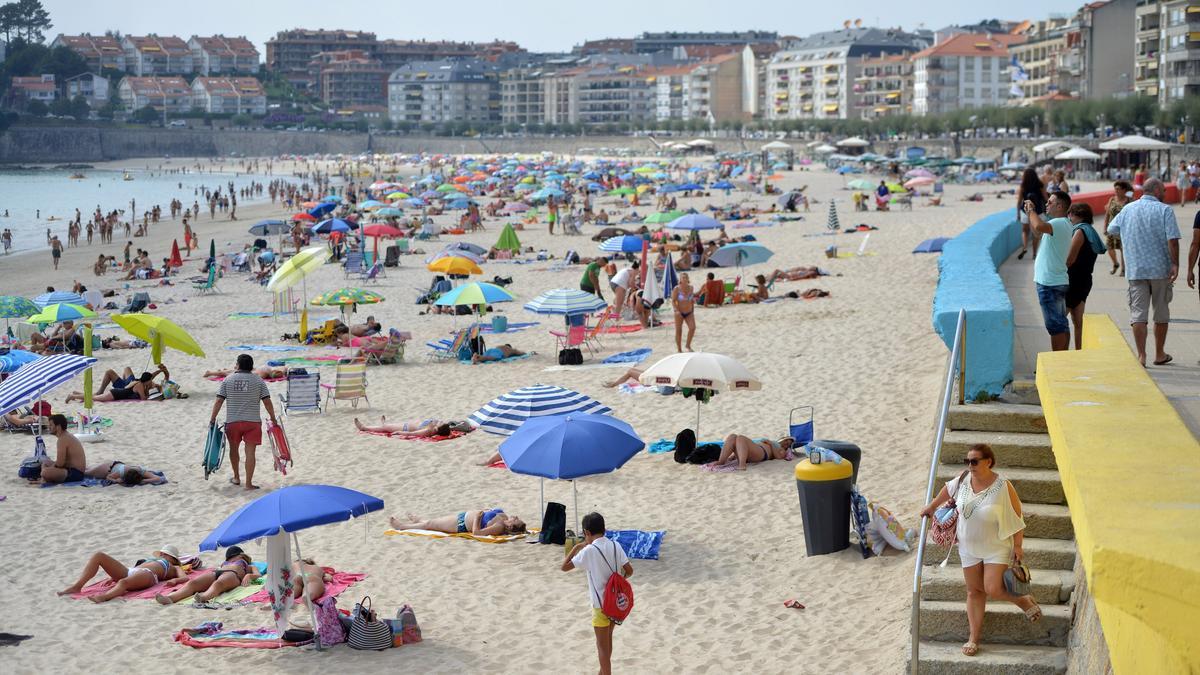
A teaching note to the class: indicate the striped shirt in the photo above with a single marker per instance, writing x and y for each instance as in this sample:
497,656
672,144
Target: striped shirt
242,392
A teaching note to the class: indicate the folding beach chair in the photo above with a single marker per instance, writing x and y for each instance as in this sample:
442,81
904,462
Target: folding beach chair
303,392
800,426
137,303
447,350
353,263
324,334
210,284
350,384
373,273
391,351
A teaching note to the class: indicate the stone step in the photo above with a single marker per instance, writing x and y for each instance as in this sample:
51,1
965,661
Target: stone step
1050,587
1034,486
1012,417
1012,450
1047,554
1003,623
946,658
1048,521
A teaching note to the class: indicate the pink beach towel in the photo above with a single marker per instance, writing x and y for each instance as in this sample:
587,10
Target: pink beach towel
341,581
148,594
428,439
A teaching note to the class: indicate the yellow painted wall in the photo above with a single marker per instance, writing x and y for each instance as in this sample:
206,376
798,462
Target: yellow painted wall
1131,472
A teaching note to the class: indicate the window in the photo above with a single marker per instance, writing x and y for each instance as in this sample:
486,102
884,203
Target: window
969,93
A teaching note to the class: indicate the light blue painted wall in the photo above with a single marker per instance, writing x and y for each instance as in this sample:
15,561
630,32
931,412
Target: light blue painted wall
967,278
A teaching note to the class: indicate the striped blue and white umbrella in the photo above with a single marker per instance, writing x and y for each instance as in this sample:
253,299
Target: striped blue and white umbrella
16,358
59,298
504,415
34,380
625,243
669,279
569,301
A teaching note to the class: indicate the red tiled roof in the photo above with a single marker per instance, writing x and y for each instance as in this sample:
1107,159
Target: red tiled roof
973,44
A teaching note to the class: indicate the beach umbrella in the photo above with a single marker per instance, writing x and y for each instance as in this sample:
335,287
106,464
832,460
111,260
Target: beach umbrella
843,170
700,370
567,301
61,312
212,249
652,295
508,240
621,192
695,221
454,264
175,260
296,268
832,224
333,225
570,446
398,195
16,358
506,414
473,294
919,173
664,216
59,297
741,254
270,226
33,380
931,245
669,278
322,209
625,243
987,175
16,307
287,511
381,230
159,332
516,207
304,216
689,187
389,212
446,188
895,188
370,204
347,297
331,199
919,181
452,251
87,374
723,185
860,184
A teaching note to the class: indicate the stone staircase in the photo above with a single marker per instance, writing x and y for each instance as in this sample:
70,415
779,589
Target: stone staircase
1011,645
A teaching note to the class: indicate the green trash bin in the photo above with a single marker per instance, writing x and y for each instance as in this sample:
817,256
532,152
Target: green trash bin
824,490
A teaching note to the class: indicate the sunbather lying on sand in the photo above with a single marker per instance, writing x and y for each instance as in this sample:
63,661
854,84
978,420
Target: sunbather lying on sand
125,389
164,566
237,570
414,427
796,273
15,419
748,450
490,522
497,354
309,579
265,372
125,474
630,375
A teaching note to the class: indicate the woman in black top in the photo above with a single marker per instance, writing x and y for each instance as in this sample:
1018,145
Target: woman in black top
1086,246
1033,190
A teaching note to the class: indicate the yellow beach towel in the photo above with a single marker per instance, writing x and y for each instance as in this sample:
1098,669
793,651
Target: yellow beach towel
487,539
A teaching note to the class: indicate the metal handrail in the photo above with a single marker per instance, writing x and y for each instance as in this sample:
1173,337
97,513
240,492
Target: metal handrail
956,365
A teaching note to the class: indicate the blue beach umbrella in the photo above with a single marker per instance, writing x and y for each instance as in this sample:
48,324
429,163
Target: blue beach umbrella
931,245
37,378
625,243
567,301
689,187
269,226
389,212
16,358
669,279
723,185
695,221
331,199
506,414
741,254
474,293
320,210
59,298
290,509
332,225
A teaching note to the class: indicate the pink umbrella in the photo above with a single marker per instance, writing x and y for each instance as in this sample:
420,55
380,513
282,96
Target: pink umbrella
918,182
919,173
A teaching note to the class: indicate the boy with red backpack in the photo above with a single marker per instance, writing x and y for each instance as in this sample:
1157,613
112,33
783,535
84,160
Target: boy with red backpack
607,570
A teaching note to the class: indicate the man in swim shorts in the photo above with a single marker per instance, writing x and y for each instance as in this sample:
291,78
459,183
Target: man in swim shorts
69,462
497,354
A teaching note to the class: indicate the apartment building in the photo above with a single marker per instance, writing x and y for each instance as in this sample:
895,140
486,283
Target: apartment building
657,42
396,53
350,79
92,87
99,51
1106,52
170,93
152,55
220,55
1147,41
966,71
812,78
1050,58
883,86
1179,47
237,95
290,52
42,88
609,95
523,94
465,90
670,89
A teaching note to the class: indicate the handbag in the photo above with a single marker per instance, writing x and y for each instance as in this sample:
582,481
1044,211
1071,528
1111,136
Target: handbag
31,466
329,627
405,630
944,531
1017,578
367,632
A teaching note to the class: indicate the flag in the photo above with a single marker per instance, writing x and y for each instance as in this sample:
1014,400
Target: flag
1017,70
1015,91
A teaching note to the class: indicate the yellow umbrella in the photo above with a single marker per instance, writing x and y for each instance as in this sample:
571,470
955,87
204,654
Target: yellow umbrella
159,332
453,264
297,267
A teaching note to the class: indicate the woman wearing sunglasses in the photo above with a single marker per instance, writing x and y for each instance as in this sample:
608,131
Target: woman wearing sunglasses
989,533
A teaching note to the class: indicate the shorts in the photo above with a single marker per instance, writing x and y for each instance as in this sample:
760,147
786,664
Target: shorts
120,394
56,253
599,620
1147,294
971,561
1112,241
1053,300
73,475
250,432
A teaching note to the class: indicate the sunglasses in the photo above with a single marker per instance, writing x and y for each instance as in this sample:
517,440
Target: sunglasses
972,462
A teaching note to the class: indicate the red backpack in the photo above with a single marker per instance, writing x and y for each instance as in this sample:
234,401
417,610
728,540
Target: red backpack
617,602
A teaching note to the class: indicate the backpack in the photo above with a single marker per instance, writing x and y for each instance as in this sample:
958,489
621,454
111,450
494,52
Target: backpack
31,466
554,524
617,602
685,443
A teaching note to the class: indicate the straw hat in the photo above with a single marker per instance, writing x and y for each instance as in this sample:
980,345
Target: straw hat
169,552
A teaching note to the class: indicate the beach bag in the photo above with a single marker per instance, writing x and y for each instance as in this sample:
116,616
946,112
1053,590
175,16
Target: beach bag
367,632
685,443
297,635
554,524
705,453
1017,578
617,601
405,630
570,356
329,627
31,466
944,529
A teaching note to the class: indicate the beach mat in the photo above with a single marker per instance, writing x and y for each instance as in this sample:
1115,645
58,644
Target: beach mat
487,539
504,360
212,634
638,544
631,356
104,482
429,439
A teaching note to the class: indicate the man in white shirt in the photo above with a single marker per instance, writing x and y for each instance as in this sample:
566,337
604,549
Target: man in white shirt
601,557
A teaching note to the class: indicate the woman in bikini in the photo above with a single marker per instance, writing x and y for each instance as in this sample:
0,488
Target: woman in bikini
126,474
414,428
237,570
750,451
164,566
490,522
683,298
309,578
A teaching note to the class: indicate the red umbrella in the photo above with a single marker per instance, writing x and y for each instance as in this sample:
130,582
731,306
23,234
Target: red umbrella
382,230
304,216
176,260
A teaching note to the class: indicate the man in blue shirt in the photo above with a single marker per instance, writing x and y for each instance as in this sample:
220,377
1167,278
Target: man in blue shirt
1050,266
1150,238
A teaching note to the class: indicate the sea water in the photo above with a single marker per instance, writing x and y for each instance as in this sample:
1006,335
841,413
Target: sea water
39,199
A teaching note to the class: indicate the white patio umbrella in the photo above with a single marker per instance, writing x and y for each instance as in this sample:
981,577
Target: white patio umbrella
700,370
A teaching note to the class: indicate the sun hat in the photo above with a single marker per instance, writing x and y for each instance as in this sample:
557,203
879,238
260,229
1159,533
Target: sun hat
169,551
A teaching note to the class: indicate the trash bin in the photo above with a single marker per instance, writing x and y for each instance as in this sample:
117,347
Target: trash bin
824,490
848,450
499,323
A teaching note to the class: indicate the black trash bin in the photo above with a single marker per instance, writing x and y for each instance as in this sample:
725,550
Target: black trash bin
848,450
824,490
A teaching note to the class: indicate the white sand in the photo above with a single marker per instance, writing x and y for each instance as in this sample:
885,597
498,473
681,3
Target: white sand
866,358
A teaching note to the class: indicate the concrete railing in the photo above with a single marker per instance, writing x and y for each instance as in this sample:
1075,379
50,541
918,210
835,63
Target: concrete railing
967,279
1130,470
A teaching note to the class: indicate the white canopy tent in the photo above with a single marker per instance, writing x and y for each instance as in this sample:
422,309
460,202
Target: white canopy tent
1077,153
824,149
700,143
1050,146
776,145
1134,142
853,142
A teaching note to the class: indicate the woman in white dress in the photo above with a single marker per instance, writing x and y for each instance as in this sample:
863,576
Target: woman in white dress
990,532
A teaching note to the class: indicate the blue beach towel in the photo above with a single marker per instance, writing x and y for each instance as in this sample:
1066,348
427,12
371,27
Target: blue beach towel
638,544
660,446
512,327
102,482
632,356
484,363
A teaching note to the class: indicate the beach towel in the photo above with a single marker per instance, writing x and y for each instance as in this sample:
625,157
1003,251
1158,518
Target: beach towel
732,464
212,634
621,329
148,594
88,481
631,388
265,348
307,361
512,327
638,544
265,379
504,360
632,356
400,435
498,464
668,445
339,582
250,315
487,539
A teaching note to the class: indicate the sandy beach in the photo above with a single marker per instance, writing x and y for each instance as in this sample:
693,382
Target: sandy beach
866,358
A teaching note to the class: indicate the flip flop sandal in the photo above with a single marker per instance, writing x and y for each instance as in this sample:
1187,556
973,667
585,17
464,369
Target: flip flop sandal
1034,613
234,481
1165,361
793,604
970,649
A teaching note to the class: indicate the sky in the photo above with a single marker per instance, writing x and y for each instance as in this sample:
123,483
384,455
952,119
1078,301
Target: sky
537,25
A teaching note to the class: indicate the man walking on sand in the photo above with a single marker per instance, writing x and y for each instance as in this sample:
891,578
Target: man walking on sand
1150,239
56,249
601,558
243,390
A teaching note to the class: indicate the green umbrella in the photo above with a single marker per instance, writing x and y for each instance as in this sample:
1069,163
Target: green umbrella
16,307
622,192
212,249
348,299
508,240
446,187
860,184
61,312
896,188
663,217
